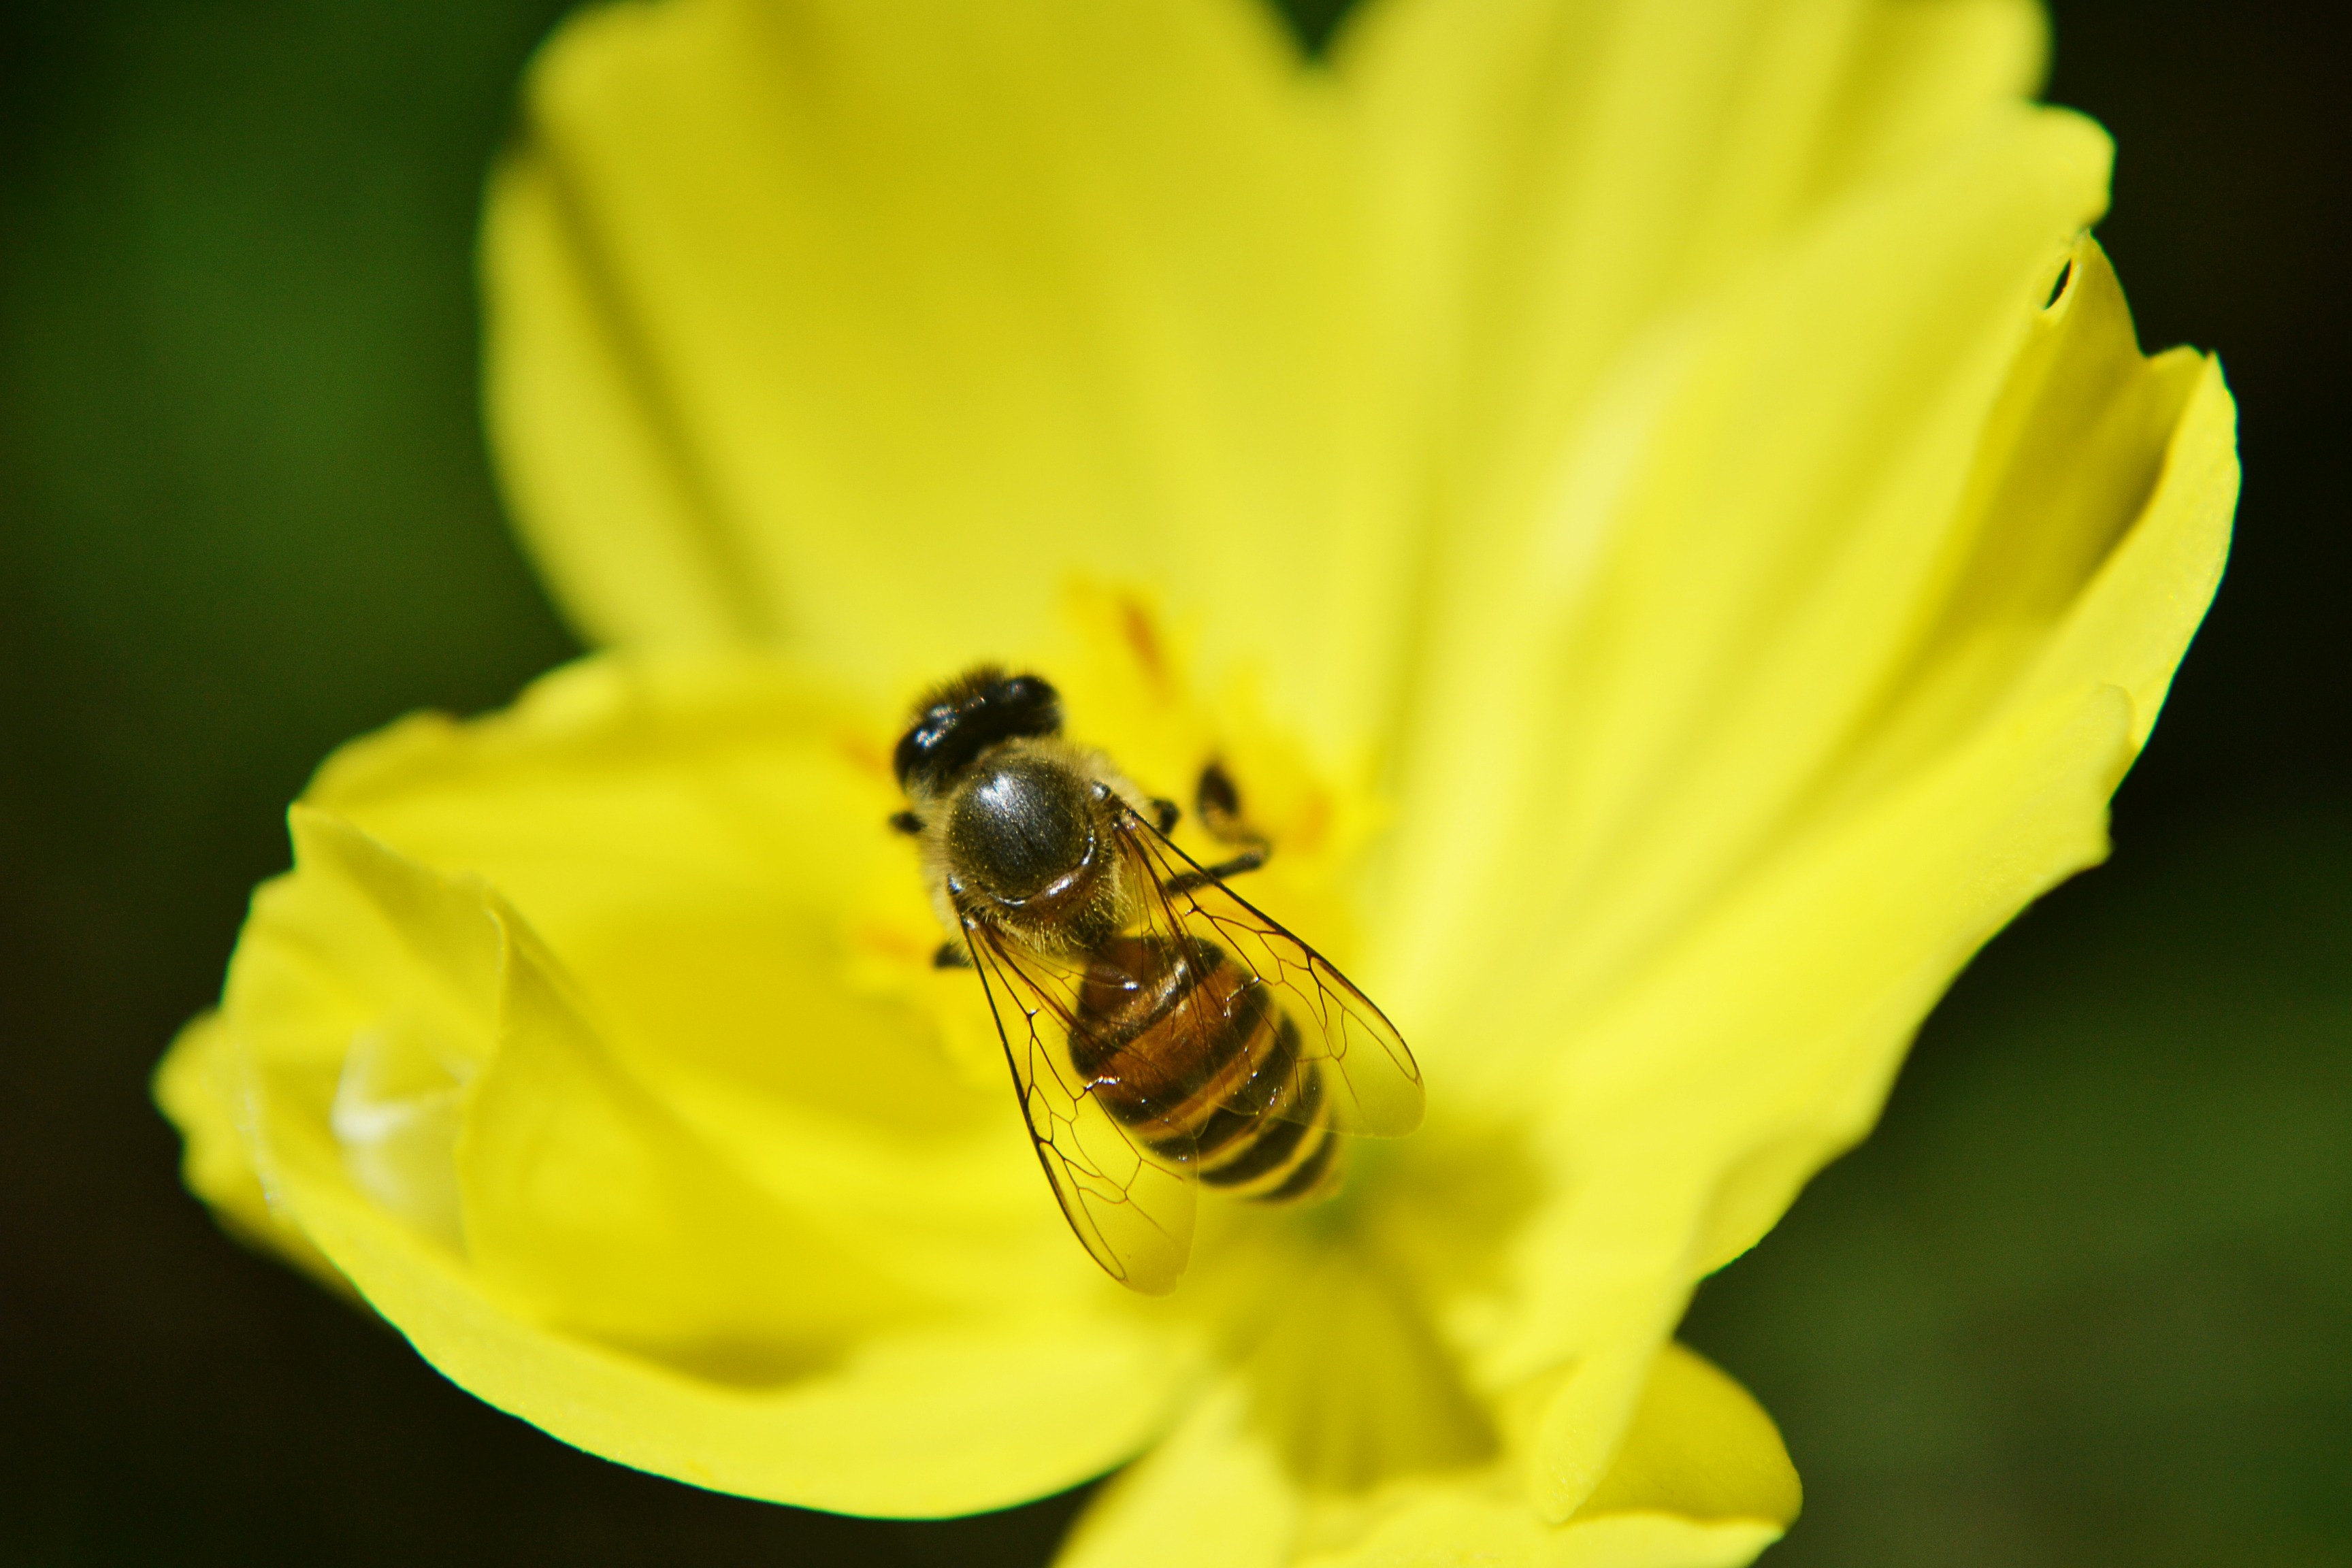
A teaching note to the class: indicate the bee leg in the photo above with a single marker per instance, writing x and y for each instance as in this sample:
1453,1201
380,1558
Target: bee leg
1185,881
1248,861
1218,799
950,956
905,822
1219,802
1168,812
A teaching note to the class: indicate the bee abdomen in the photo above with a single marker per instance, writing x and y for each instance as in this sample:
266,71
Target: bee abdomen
1189,1048
1287,1154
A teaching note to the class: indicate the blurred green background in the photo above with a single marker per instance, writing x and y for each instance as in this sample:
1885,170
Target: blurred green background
2084,1300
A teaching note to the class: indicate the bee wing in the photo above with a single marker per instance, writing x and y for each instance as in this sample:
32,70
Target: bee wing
1373,1087
1131,1207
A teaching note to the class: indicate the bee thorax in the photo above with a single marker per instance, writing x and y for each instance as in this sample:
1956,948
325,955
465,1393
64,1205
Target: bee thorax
1020,829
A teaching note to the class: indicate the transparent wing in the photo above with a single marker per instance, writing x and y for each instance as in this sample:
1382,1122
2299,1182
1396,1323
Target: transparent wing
1131,1205
1371,1087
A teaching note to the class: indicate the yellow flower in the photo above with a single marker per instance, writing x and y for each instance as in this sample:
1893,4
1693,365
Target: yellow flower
1612,479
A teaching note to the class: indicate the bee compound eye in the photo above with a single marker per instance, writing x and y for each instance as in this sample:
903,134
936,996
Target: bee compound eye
1020,825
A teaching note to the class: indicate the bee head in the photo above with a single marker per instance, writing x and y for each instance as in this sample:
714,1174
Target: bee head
962,719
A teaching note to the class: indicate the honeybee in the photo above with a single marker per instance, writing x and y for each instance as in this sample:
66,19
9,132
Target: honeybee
1162,1032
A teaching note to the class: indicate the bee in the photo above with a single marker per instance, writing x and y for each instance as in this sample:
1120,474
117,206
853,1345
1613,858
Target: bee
1163,1033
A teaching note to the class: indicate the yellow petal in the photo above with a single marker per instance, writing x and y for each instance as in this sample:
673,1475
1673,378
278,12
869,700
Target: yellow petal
2087,440
1742,1066
1457,1530
1763,1041
1554,180
919,1423
199,1086
2131,476
1782,1073
1700,1447
745,1261
1742,542
1458,1526
1701,1478
1212,1492
865,327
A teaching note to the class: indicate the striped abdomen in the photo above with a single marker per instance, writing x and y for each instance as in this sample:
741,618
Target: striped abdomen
1192,1051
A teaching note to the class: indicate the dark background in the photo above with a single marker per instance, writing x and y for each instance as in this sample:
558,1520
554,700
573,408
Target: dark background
2084,1300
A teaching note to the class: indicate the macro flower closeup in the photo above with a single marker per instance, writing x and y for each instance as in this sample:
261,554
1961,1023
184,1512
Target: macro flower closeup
1658,507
